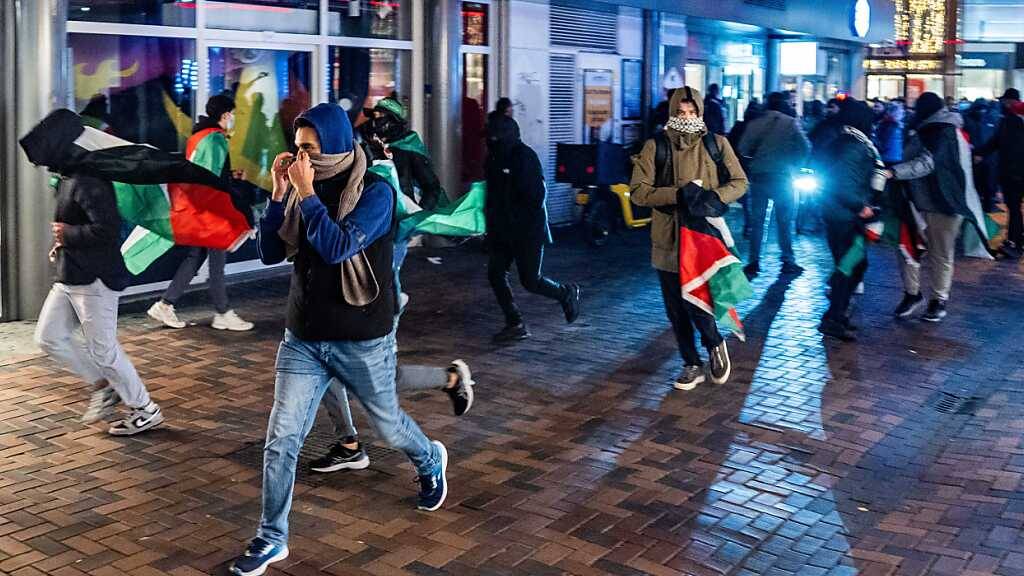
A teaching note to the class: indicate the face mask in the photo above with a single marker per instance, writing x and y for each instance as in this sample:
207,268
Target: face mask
686,125
230,123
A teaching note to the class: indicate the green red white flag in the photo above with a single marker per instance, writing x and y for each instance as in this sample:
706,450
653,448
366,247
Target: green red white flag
710,273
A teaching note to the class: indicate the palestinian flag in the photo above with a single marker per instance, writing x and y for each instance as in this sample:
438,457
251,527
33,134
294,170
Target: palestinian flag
903,226
413,143
710,272
858,251
168,199
464,217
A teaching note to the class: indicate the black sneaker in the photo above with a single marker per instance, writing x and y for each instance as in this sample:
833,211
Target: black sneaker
752,270
341,458
434,487
792,269
936,311
461,394
1010,250
571,304
836,330
689,378
512,333
719,365
909,306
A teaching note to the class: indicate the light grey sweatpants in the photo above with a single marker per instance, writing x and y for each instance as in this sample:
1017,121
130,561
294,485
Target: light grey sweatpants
78,327
188,269
941,233
407,378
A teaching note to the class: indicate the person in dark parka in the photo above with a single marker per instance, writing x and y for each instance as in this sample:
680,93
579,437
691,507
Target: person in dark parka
517,226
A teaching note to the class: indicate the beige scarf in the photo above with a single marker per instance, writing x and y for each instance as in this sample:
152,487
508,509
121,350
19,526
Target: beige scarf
359,286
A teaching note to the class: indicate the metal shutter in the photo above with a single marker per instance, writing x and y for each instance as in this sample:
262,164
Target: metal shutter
595,31
561,128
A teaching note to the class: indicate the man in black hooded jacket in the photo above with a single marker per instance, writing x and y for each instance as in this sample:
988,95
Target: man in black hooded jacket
517,226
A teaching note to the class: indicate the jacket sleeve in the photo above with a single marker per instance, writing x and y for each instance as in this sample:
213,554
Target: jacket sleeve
850,172
96,198
425,177
270,245
801,144
919,164
737,185
368,221
641,186
529,179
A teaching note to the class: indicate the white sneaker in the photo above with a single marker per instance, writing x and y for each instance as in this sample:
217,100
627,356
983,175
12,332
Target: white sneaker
403,301
230,321
165,313
140,420
859,289
101,404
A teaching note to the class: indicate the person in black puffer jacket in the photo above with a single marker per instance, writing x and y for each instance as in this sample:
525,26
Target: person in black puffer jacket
851,172
517,226
1009,143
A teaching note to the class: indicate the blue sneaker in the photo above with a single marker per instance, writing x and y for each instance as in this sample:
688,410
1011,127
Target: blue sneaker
258,555
434,487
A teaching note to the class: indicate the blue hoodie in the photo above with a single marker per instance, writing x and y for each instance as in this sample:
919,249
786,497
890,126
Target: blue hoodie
335,241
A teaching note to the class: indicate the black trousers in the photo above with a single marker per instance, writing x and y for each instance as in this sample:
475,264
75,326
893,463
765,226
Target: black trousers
528,257
840,237
685,318
1013,191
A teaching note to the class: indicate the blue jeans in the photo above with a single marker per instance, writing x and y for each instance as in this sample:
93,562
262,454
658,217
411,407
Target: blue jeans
401,249
304,369
779,189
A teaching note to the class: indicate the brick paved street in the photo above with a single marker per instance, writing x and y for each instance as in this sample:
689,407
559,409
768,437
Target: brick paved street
578,458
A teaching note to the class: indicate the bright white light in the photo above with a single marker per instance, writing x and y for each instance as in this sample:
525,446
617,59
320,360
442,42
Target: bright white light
806,183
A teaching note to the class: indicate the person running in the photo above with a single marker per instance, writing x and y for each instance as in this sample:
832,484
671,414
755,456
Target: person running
777,147
336,222
662,187
207,147
937,185
517,227
852,177
77,325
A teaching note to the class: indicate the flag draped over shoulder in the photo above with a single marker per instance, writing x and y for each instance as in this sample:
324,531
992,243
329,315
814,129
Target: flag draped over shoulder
710,273
168,199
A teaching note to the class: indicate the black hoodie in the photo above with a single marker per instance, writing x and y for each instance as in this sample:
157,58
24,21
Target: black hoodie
515,208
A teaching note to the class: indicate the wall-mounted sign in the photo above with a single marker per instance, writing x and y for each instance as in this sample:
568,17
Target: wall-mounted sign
860,18
597,97
798,58
632,89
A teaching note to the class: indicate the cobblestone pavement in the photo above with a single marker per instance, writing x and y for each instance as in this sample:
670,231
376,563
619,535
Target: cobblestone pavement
900,454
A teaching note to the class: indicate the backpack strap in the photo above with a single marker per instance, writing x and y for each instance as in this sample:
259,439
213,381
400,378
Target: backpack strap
711,145
662,161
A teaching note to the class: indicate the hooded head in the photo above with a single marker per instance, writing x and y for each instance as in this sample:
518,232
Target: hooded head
502,131
389,119
686,116
855,114
926,106
332,127
51,142
894,111
753,111
779,102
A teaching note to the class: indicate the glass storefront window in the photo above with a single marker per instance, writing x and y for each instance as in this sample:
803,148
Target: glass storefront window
885,87
474,24
271,88
150,12
981,83
474,113
390,19
918,84
292,16
358,77
136,87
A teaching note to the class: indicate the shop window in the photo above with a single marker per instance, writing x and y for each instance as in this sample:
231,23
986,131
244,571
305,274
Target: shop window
390,19
152,12
136,87
474,113
292,16
358,77
474,24
271,88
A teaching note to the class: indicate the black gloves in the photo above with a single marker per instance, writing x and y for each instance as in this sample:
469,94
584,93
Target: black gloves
696,201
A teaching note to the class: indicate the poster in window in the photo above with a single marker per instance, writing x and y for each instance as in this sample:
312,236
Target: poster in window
597,97
632,89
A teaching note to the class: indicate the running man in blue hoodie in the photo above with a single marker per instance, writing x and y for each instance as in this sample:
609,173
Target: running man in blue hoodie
336,221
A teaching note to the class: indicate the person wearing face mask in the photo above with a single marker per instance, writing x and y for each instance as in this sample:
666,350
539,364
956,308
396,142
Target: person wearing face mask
685,168
336,221
207,147
517,227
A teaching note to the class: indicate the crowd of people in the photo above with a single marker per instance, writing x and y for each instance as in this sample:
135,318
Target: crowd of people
333,212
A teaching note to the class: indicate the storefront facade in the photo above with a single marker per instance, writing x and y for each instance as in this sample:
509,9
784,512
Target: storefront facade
576,72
